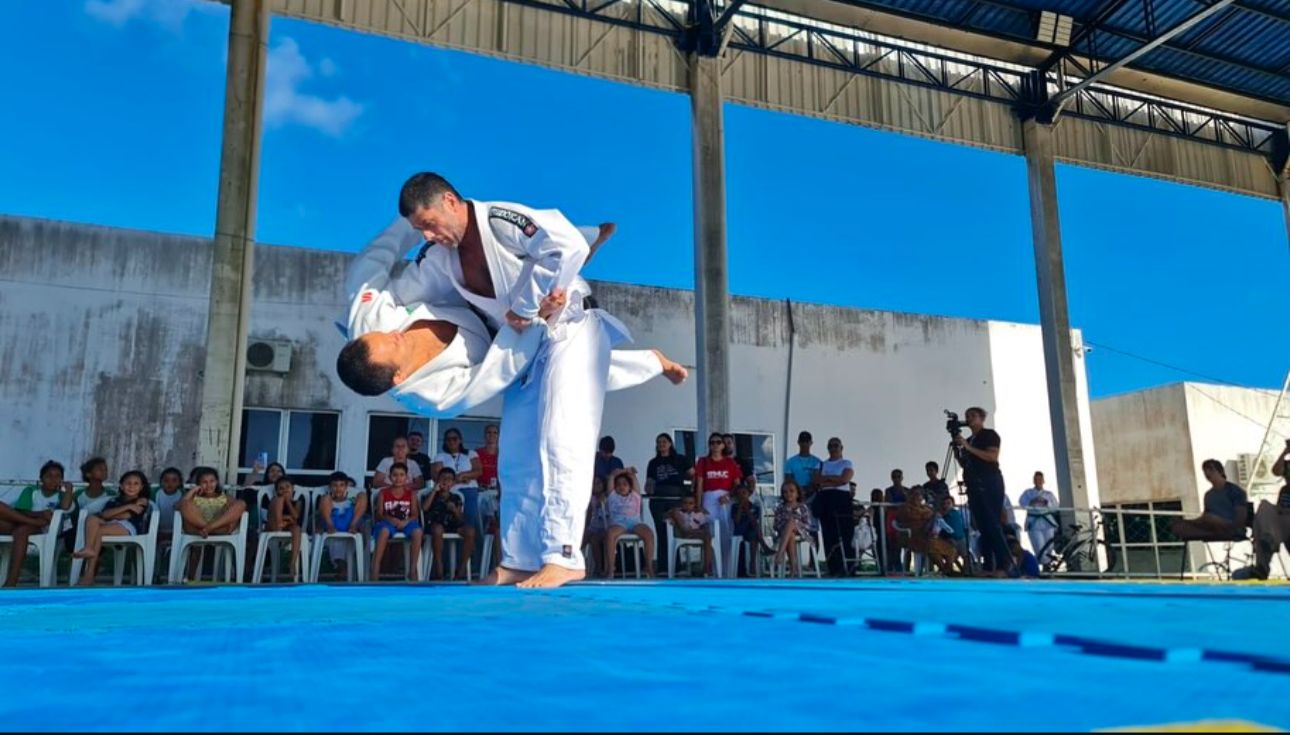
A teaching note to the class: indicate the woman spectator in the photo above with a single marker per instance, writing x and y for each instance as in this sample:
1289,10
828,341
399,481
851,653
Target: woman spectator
668,472
715,476
792,521
625,517
125,514
265,475
31,513
465,465
398,454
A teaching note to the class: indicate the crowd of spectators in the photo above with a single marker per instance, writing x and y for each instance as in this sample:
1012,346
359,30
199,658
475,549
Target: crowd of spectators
453,494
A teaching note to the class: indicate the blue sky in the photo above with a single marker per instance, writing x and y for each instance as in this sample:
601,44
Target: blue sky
115,116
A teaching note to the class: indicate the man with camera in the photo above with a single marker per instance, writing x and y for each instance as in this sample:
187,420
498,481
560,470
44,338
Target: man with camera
979,456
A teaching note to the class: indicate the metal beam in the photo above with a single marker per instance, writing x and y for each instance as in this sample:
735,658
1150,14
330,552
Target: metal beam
1142,50
1054,315
1103,14
711,278
233,251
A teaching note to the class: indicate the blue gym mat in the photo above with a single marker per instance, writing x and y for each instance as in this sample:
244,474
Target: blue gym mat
736,655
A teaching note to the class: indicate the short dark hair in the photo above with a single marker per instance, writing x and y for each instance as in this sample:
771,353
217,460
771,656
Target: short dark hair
416,433
284,479
1213,464
356,371
975,409
338,477
607,444
932,466
88,465
445,472
421,190
172,471
899,472
804,436
50,466
398,466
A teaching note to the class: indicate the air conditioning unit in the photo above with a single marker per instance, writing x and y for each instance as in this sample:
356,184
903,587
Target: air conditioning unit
268,355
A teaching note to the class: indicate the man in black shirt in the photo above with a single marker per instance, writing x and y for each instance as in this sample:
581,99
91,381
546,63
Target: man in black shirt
979,456
415,441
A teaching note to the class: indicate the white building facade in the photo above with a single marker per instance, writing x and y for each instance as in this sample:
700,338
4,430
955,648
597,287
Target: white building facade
102,336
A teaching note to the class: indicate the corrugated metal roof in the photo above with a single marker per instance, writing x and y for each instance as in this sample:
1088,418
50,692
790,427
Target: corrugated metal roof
1244,49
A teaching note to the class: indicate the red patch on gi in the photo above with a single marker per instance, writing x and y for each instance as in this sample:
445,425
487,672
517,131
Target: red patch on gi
366,297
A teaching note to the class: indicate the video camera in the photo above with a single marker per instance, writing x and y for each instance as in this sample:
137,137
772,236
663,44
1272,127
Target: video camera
952,423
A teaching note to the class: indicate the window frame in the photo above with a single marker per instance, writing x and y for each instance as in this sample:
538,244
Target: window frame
284,430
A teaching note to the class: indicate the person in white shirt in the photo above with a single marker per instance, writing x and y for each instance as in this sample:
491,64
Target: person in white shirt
465,464
833,507
1041,517
400,452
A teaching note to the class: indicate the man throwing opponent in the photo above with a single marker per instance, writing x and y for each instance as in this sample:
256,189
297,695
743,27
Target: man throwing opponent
552,358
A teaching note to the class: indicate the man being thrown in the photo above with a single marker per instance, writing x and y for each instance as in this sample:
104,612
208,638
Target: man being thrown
416,338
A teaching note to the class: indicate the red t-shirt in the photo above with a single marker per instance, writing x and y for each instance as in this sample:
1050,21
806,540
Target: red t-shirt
487,467
721,474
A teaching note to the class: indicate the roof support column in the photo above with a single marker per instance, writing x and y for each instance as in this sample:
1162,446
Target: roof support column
232,257
1054,315
711,277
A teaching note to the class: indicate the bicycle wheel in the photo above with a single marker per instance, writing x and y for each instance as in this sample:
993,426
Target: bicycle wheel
1088,556
1053,553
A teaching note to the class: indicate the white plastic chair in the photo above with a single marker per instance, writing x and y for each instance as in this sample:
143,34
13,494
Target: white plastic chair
634,543
676,545
44,545
809,552
396,538
270,543
230,549
356,559
451,541
144,547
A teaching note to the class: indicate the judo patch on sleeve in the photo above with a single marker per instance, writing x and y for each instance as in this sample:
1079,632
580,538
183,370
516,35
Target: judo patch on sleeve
509,215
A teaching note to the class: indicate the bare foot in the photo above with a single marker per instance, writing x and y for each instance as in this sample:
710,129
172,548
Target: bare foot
503,576
84,554
607,230
551,576
673,371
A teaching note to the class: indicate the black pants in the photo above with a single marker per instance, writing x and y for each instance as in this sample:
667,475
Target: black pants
985,500
833,510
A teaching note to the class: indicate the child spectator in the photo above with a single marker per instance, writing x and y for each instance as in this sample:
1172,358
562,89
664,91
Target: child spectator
396,507
445,512
688,521
31,513
1025,563
285,512
341,513
792,521
166,499
207,510
126,514
745,518
597,525
95,495
625,517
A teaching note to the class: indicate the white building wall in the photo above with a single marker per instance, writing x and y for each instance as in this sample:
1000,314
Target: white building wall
102,332
1225,422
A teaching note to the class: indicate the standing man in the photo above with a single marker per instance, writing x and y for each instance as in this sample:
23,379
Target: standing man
1041,517
518,266
896,494
979,457
417,440
802,466
834,504
731,451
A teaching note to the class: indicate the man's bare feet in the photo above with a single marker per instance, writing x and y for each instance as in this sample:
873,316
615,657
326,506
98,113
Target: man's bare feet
551,576
673,371
503,576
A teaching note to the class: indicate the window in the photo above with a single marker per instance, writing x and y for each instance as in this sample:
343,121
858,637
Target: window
759,448
305,442
382,429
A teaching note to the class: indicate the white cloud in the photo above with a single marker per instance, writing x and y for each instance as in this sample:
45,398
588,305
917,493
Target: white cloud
286,104
169,14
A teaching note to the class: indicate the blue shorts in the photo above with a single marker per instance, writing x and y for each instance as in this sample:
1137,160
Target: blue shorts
387,526
130,530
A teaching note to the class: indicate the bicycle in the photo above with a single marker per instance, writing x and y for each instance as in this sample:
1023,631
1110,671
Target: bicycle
1082,549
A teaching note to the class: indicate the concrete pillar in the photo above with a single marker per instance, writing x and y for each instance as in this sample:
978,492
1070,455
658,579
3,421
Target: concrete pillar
711,277
1054,315
231,261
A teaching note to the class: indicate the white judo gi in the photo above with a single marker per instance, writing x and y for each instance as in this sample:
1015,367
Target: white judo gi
1041,519
550,423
